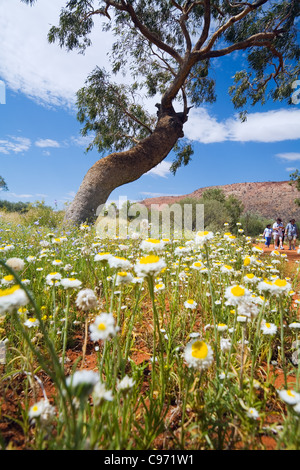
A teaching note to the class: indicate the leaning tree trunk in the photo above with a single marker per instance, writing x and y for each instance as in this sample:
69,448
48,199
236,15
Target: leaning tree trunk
120,168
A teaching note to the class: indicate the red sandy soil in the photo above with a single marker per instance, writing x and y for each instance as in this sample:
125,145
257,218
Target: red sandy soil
12,432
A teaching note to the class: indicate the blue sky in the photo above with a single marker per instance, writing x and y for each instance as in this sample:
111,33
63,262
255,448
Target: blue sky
42,154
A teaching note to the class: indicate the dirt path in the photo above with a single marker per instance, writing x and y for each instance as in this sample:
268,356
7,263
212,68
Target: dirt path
293,258
292,255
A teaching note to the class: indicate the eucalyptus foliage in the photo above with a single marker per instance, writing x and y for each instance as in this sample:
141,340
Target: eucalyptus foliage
167,48
3,185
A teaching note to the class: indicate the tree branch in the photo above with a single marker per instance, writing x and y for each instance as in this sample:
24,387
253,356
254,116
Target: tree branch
223,28
205,31
175,4
132,116
182,22
259,39
167,65
152,37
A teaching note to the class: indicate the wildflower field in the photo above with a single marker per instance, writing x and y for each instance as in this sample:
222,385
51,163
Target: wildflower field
138,344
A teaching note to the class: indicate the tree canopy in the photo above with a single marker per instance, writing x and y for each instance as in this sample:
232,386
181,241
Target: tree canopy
167,47
295,181
3,185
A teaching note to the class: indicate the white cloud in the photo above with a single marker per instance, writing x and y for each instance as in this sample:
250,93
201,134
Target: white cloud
14,145
204,128
289,156
21,196
290,168
47,143
43,71
82,141
162,169
269,126
37,196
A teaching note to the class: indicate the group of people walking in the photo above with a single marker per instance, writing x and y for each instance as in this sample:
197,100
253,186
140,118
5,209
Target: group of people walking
279,232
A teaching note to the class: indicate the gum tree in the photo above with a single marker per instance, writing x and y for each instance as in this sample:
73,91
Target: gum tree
295,181
3,185
167,48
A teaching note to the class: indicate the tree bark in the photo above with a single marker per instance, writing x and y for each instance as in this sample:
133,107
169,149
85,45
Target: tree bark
124,167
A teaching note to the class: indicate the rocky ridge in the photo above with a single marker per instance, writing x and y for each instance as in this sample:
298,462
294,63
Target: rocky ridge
270,199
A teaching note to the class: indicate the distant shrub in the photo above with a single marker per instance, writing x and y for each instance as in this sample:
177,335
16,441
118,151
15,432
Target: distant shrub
218,209
254,224
9,206
41,214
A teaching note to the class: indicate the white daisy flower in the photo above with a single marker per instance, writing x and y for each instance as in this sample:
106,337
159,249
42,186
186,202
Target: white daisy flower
57,262
82,382
297,408
222,327
103,327
152,244
242,318
70,283
281,286
250,278
12,298
289,396
252,413
31,322
9,247
125,384
150,265
236,295
257,249
225,269
159,287
42,410
100,393
249,308
119,262
190,304
203,237
137,280
53,278
123,277
197,265
102,257
268,328
8,280
198,354
275,253
181,250
265,286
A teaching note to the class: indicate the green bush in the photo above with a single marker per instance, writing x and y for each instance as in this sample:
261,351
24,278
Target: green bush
20,207
218,209
40,214
254,224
